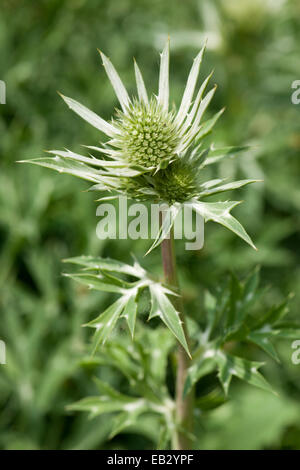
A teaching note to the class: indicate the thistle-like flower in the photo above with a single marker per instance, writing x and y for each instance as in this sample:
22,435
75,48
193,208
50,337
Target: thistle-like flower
154,153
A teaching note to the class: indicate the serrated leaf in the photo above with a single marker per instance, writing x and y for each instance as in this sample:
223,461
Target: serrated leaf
250,287
230,366
121,422
164,308
208,126
220,212
166,226
89,116
273,315
198,370
130,310
106,322
227,187
211,400
262,340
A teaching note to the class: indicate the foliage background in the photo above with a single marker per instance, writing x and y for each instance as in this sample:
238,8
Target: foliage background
51,45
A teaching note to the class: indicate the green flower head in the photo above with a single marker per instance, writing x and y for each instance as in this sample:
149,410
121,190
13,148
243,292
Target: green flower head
154,153
177,183
147,135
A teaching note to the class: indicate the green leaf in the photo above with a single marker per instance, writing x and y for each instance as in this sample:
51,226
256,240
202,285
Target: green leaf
163,89
163,307
129,417
89,116
68,154
105,322
202,367
286,332
164,437
263,341
98,405
217,155
220,212
118,355
191,115
215,307
233,316
161,342
195,130
241,296
130,310
230,366
211,400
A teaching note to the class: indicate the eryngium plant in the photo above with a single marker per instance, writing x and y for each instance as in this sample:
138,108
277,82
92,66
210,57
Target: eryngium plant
155,154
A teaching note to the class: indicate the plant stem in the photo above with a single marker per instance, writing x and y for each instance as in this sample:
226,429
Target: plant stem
184,406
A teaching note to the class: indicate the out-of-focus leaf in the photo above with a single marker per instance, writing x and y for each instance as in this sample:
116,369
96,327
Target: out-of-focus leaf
263,341
168,221
230,366
226,187
199,369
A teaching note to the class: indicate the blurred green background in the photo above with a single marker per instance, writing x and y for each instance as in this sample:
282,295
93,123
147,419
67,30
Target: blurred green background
44,217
